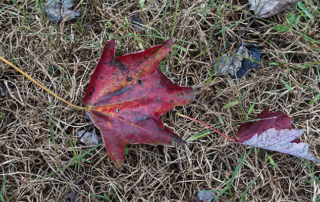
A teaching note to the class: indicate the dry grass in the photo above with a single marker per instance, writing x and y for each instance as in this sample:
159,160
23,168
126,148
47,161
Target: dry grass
38,133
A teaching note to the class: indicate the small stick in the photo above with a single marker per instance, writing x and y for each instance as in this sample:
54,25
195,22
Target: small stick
206,126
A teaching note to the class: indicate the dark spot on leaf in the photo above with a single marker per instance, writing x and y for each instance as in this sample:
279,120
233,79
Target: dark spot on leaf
171,101
159,86
118,111
159,99
139,82
129,78
123,68
138,63
130,140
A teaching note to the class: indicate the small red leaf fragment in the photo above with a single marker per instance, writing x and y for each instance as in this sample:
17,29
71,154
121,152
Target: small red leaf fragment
272,132
127,95
277,120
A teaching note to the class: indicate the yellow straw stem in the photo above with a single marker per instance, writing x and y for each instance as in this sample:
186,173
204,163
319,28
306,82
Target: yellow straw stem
44,88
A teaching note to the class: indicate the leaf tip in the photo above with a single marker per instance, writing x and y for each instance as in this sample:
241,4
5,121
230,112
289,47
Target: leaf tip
176,139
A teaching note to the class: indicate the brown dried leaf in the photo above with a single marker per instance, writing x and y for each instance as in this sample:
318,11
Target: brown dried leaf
268,8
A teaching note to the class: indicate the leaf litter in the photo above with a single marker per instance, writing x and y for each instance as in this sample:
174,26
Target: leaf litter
203,196
268,8
282,141
136,21
240,64
57,12
272,131
89,138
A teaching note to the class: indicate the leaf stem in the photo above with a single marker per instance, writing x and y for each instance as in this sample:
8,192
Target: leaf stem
44,88
205,126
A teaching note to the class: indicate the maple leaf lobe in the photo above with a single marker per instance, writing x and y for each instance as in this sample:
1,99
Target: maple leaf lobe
127,95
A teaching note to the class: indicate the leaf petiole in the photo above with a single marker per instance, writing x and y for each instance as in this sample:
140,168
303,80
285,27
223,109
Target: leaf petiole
206,126
41,86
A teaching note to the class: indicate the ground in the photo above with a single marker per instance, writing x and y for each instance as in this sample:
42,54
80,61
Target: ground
42,159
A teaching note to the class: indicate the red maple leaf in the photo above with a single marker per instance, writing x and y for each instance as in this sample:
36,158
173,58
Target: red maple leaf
126,96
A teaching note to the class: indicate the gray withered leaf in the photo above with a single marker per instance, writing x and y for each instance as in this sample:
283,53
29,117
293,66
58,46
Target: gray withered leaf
89,138
268,8
240,64
56,11
282,141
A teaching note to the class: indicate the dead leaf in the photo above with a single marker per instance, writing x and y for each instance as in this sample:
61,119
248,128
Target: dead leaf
89,138
240,64
127,95
281,141
73,195
5,89
268,8
56,12
271,131
136,21
203,196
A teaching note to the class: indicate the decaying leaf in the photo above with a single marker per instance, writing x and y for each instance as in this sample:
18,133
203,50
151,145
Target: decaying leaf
136,21
240,64
271,131
73,195
126,96
89,138
248,65
268,8
281,141
203,196
4,89
56,12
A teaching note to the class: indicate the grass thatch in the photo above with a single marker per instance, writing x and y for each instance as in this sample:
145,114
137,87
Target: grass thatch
38,133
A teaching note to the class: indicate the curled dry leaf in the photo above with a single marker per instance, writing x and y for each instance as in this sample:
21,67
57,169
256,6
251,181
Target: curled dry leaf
56,12
89,138
127,95
271,131
268,8
240,64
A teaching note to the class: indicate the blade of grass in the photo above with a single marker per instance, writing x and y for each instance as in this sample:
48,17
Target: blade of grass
73,160
175,18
